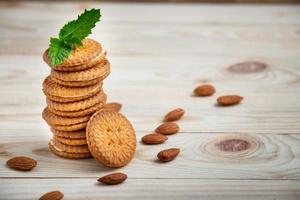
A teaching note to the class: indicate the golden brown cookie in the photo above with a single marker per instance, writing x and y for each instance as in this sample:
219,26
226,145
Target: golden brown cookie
71,142
70,148
63,154
77,105
53,119
111,138
84,66
73,127
89,50
76,83
101,71
53,89
80,134
87,111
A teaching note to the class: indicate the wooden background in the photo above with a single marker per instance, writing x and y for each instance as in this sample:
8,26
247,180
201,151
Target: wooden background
159,53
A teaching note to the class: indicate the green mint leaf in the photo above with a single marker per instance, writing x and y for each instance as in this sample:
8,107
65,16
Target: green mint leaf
58,52
81,27
71,36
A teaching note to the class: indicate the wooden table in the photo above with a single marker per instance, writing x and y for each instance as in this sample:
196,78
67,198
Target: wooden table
159,53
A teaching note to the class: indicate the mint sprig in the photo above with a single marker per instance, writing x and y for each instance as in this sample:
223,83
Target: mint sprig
71,36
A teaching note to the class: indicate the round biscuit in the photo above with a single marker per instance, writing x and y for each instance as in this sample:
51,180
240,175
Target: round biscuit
77,105
111,138
68,155
88,51
70,148
73,127
87,111
51,88
80,134
77,83
101,71
69,141
53,119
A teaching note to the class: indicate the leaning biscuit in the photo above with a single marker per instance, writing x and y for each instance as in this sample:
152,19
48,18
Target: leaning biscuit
53,119
79,113
80,134
73,127
88,51
63,154
111,138
71,142
70,148
101,71
51,88
77,105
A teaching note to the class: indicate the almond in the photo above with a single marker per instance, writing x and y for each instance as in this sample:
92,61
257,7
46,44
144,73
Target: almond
168,154
114,106
154,138
174,115
204,90
167,128
229,100
113,179
54,195
21,163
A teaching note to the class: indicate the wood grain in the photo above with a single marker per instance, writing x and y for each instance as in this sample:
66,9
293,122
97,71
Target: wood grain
152,188
248,151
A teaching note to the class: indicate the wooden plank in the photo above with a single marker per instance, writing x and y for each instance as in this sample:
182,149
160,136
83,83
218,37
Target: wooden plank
77,189
264,157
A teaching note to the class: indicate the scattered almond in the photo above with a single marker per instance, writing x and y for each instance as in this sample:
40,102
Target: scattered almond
114,106
168,154
113,179
167,128
229,100
204,90
154,138
21,163
54,195
174,115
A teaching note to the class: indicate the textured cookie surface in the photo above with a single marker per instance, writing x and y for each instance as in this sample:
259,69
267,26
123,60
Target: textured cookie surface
101,70
89,50
72,142
111,138
63,154
80,134
51,88
53,119
77,105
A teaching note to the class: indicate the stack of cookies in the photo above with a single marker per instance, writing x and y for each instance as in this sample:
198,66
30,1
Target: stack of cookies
74,93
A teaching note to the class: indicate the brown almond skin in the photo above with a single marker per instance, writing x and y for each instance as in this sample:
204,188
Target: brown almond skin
204,90
167,128
113,179
54,195
154,138
229,100
21,163
168,154
114,106
174,115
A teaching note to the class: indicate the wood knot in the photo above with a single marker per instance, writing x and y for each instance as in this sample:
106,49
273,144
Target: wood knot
233,145
247,67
